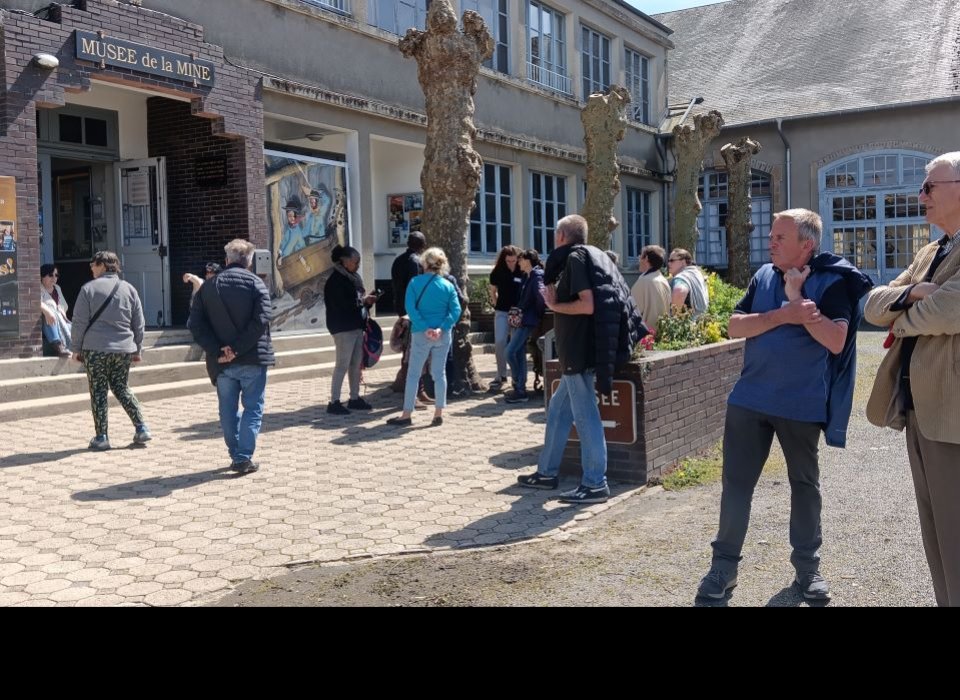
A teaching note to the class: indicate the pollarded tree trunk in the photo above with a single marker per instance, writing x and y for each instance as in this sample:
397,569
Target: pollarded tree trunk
448,63
690,145
604,120
739,221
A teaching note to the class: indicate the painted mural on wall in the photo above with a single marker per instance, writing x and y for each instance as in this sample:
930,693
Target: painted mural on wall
9,311
307,215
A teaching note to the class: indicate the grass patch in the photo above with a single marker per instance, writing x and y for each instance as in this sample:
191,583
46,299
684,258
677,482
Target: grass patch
702,468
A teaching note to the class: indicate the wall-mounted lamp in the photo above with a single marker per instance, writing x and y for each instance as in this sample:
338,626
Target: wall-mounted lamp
315,135
46,60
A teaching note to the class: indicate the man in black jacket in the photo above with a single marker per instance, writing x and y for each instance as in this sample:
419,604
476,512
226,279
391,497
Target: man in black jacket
230,320
569,294
405,268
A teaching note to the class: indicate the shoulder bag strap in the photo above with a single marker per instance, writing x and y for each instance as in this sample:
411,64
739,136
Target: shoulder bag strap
423,291
103,307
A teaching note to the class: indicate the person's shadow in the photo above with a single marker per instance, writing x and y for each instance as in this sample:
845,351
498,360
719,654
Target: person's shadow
156,487
26,459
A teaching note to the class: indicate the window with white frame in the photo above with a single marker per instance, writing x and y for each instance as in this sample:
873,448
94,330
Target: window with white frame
548,204
595,61
712,222
547,48
342,6
491,221
638,222
872,212
495,14
397,16
637,78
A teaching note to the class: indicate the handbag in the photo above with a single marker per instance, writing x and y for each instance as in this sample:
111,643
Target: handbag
400,335
515,317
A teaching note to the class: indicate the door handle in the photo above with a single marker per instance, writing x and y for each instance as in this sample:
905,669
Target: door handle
162,251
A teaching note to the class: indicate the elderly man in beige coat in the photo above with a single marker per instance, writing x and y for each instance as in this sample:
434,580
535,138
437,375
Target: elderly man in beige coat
918,384
651,291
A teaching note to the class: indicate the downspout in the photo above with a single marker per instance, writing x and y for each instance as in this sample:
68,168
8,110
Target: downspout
664,191
787,179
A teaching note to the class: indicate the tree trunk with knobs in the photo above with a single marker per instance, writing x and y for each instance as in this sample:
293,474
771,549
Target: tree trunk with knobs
448,62
690,144
604,120
739,220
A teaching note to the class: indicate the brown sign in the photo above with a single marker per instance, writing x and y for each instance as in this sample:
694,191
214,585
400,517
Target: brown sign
110,51
618,411
9,304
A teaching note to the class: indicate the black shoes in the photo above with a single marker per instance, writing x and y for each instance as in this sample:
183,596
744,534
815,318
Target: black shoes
337,409
359,405
812,585
538,481
244,467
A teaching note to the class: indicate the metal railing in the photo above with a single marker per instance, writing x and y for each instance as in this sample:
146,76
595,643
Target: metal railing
549,79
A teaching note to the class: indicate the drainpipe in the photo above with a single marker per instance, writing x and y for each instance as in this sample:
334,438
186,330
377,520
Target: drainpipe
787,179
660,141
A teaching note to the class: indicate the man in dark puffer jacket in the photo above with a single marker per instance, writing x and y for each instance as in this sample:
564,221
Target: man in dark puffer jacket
594,317
230,320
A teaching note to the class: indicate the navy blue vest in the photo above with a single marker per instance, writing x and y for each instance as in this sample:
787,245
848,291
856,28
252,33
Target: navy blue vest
786,373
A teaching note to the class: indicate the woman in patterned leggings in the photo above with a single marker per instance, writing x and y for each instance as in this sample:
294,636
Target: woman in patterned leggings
107,336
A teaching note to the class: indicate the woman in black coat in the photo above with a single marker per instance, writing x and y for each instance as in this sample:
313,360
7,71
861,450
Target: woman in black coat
347,308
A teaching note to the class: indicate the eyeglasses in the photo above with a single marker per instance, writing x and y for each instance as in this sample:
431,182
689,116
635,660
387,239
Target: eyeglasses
927,187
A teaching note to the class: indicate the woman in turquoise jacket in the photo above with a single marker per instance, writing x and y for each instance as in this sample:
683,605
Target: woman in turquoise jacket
433,308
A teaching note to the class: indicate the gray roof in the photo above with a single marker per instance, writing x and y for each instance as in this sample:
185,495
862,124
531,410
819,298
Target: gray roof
757,60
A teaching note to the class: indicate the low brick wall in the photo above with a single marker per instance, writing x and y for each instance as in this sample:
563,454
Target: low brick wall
681,407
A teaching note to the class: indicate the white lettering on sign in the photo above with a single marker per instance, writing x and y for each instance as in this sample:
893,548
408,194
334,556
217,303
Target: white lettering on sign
612,400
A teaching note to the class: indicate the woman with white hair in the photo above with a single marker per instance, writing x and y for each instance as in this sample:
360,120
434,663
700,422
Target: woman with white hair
433,307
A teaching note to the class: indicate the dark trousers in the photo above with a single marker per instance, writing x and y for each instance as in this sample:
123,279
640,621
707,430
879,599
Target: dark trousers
936,481
747,437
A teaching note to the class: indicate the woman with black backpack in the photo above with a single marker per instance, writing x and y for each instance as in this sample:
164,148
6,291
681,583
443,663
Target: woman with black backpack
347,308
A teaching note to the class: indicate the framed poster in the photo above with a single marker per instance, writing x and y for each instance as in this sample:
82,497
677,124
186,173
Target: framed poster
308,215
9,289
404,214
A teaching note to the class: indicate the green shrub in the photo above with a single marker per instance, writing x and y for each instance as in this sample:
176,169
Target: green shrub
680,331
479,291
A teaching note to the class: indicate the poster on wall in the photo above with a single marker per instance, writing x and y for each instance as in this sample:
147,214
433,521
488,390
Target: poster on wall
404,215
307,214
9,307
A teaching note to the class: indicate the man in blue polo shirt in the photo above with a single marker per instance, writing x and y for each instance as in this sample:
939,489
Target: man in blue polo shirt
799,317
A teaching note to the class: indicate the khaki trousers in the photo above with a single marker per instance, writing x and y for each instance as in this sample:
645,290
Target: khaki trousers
936,480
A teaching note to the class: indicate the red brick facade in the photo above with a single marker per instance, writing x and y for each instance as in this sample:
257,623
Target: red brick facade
226,118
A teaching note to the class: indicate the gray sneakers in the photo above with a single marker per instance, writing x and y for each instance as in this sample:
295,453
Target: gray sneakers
812,585
100,442
142,436
716,584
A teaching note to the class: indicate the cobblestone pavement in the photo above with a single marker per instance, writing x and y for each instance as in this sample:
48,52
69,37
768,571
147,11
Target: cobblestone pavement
169,524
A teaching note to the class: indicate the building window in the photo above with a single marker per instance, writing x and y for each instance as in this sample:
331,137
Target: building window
495,14
548,201
638,222
595,61
491,221
342,6
397,16
872,213
637,78
547,50
712,223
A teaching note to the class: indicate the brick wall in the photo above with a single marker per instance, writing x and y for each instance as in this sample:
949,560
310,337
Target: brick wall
201,218
232,110
681,407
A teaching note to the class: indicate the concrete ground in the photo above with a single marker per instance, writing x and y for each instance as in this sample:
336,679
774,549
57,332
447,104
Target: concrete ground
169,525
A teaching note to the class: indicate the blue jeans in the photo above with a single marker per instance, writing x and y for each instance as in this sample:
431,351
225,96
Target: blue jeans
517,357
575,402
420,350
244,384
501,336
51,333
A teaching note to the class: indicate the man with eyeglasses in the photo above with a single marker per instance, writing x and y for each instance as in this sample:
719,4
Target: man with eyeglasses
918,383
799,317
